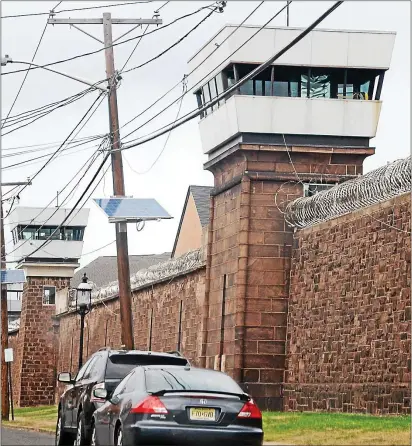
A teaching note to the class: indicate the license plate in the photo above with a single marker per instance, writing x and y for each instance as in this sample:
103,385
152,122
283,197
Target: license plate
202,414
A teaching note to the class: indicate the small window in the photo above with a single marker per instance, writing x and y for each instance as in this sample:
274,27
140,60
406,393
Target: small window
49,295
312,189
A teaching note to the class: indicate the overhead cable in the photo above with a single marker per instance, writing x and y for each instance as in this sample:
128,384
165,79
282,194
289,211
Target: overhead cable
27,72
74,9
68,137
109,46
189,116
204,77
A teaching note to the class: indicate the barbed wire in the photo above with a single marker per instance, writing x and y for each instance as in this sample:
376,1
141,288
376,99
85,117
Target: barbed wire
169,269
374,187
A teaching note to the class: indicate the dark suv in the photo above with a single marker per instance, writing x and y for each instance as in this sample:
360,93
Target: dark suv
104,369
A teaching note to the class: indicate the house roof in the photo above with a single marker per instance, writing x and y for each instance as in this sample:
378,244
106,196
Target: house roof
201,197
103,270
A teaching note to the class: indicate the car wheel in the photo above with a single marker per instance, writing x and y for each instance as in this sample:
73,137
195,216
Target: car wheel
62,438
80,434
119,437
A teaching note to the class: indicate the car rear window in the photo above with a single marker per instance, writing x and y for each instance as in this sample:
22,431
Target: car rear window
118,366
193,379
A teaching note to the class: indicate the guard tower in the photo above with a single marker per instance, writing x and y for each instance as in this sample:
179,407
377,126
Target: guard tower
302,125
48,270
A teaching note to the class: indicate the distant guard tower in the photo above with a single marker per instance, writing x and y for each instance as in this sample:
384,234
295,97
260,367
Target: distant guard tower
302,125
48,270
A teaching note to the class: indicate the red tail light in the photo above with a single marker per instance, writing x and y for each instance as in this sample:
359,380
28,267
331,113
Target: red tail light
150,405
250,410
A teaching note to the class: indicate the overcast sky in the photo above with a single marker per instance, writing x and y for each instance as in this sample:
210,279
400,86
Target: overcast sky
182,162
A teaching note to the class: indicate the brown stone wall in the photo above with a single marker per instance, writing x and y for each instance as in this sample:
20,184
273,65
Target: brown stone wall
251,246
349,326
102,324
35,368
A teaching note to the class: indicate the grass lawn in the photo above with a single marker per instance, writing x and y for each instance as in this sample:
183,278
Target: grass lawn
336,429
42,418
280,427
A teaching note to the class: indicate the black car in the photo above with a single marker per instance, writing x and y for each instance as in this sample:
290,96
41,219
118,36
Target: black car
166,405
104,370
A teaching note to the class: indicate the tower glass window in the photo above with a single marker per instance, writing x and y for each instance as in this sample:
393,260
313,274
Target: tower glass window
293,81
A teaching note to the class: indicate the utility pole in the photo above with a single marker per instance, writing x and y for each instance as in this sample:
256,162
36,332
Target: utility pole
4,315
123,268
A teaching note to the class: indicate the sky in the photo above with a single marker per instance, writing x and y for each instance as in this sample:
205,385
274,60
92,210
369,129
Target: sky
181,162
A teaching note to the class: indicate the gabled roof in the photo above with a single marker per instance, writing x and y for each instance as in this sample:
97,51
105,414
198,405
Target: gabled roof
103,270
201,197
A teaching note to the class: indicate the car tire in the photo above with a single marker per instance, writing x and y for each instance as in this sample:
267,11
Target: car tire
62,437
81,438
119,437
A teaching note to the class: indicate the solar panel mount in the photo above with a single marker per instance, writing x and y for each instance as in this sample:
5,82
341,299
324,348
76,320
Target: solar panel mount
122,209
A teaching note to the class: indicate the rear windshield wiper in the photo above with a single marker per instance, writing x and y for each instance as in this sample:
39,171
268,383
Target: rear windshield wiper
242,396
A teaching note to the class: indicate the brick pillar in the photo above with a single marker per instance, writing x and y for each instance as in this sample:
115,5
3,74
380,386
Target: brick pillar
251,244
36,351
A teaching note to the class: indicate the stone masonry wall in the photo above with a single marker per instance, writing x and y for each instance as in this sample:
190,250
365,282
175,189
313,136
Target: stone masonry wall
349,324
102,324
251,245
35,361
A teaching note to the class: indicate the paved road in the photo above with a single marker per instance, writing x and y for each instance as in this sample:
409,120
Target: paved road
17,437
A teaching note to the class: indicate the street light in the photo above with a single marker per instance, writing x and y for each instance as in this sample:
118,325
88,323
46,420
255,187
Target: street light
83,306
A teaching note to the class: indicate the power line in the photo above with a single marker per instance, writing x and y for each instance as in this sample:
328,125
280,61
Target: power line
176,85
34,111
109,46
208,74
138,42
61,146
72,210
51,144
42,149
90,194
71,10
36,117
27,72
164,145
171,46
189,116
36,159
90,160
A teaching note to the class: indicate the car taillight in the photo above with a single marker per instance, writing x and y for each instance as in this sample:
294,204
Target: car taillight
150,405
250,410
93,399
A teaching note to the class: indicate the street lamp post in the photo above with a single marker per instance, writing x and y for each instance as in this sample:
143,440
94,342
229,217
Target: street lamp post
83,306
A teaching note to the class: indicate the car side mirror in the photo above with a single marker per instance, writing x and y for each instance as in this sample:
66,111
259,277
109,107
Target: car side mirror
100,393
65,378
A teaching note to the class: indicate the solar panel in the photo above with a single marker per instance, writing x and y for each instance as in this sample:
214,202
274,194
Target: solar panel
131,209
12,276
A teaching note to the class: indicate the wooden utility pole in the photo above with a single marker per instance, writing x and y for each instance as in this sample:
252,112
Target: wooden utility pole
4,315
4,330
123,268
